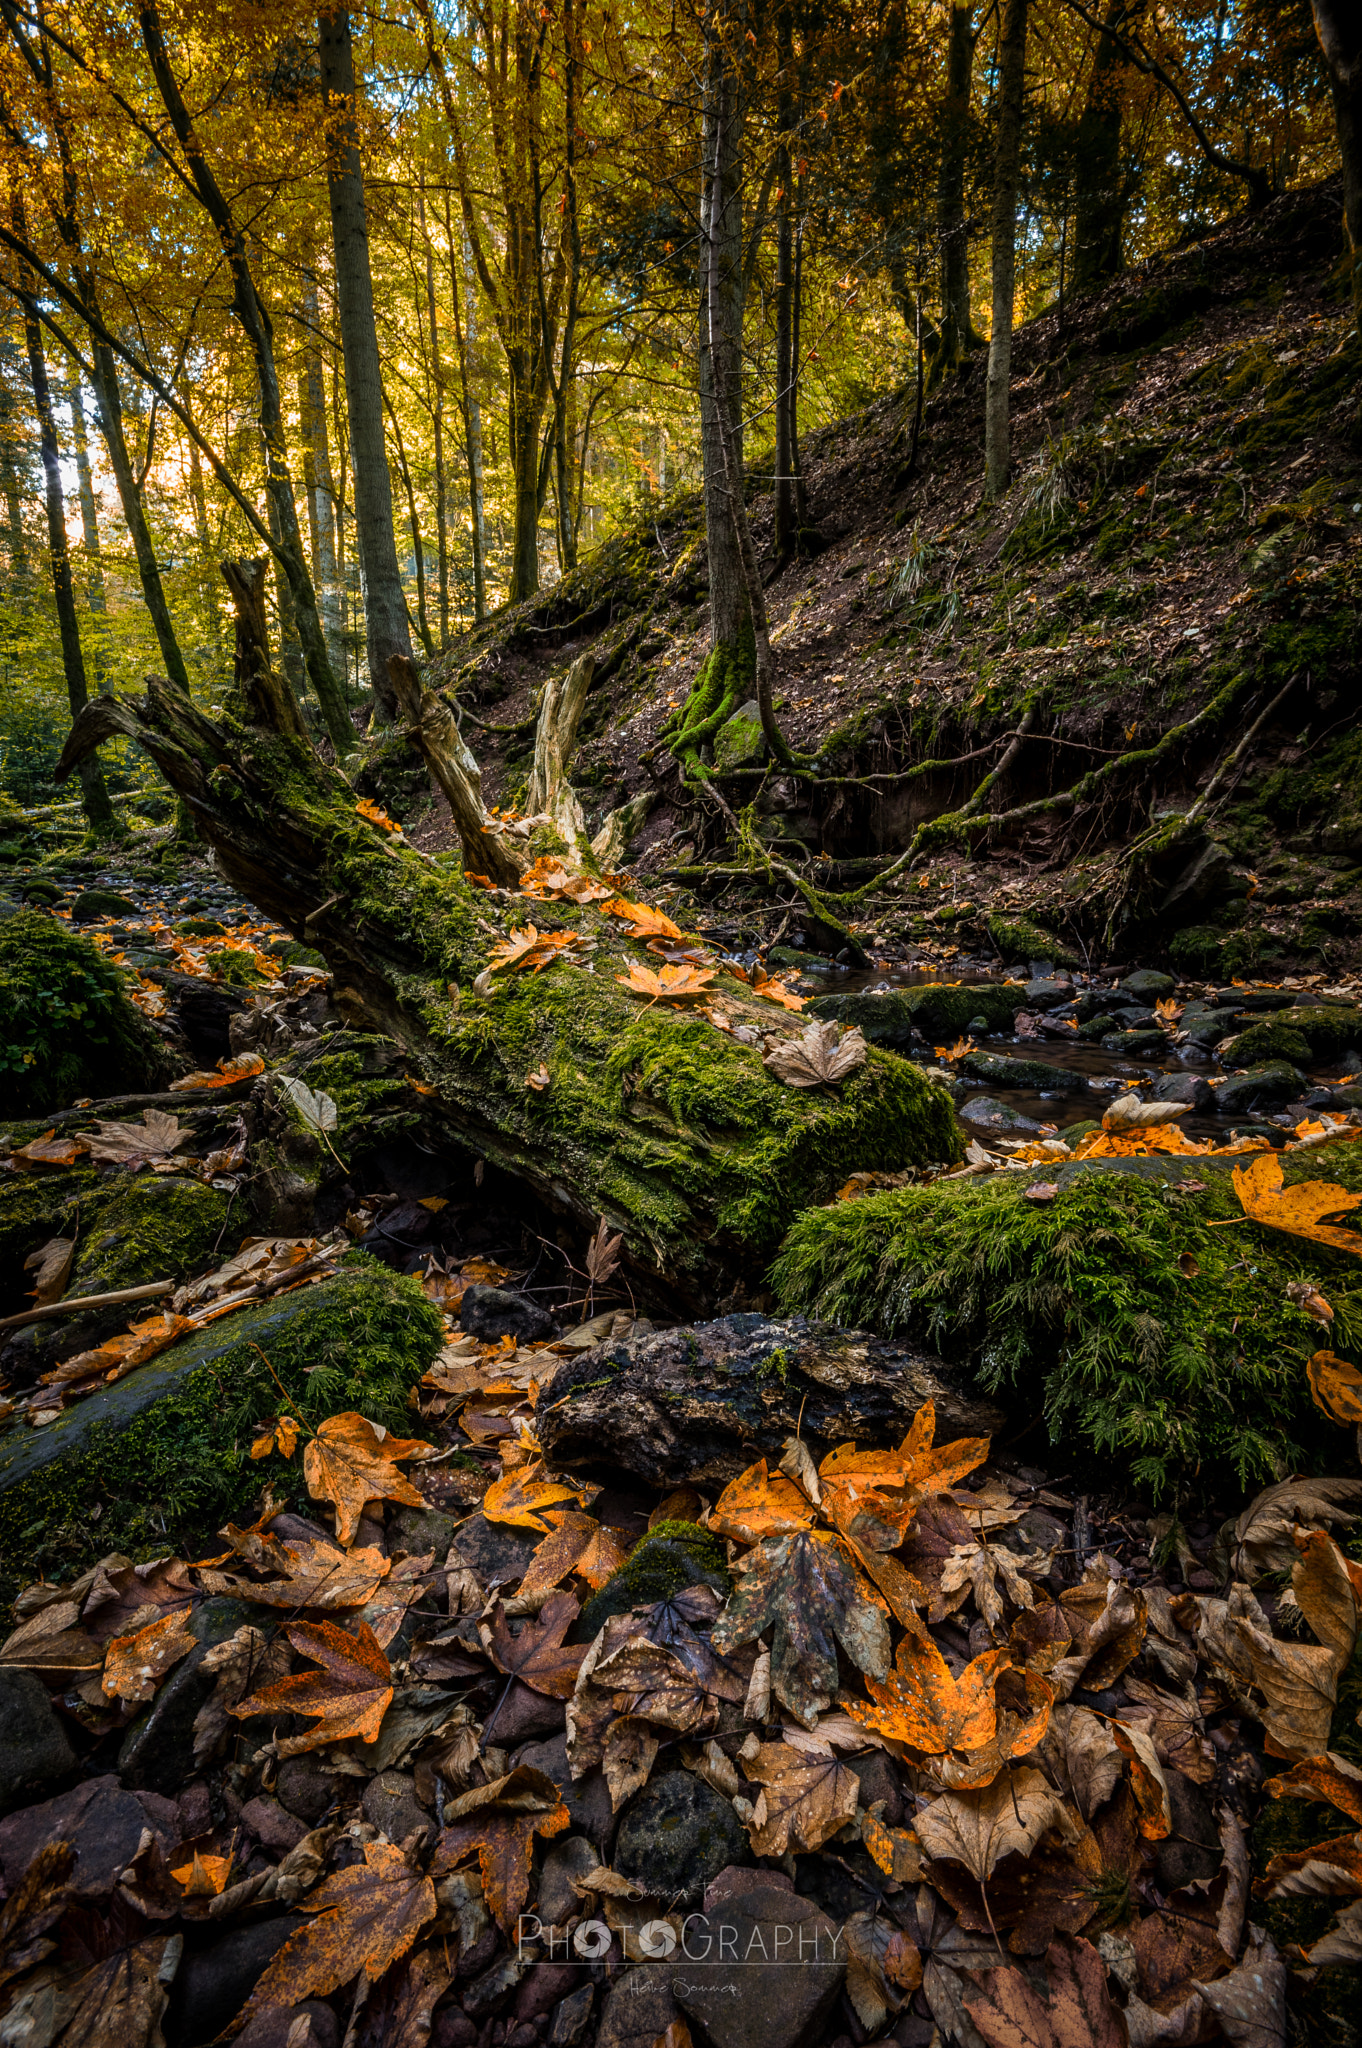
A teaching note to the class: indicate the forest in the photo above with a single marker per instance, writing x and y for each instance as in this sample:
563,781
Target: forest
681,1024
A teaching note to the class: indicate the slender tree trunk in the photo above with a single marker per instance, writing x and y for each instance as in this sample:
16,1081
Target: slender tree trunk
437,413
321,489
385,606
801,494
1101,195
89,524
1011,101
958,332
14,497
290,646
720,363
253,317
784,493
1338,25
99,811
418,553
465,340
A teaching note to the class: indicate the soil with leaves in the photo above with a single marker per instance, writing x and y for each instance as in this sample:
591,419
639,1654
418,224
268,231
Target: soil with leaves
1013,1757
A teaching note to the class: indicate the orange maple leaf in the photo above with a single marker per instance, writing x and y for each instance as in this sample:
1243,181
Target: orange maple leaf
1297,1209
281,1435
777,992
223,1075
569,1538
135,1665
375,814
1336,1387
351,1460
760,1503
538,1655
644,922
668,985
118,1355
349,1695
921,1704
48,1151
310,1575
365,1917
549,877
205,1877
517,1498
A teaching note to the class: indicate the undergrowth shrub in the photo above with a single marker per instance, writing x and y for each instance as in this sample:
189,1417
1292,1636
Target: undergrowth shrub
67,1028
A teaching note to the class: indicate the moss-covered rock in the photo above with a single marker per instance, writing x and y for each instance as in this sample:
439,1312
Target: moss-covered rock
935,1010
1019,939
92,904
670,1556
1270,1039
67,1028
1082,1305
164,1455
1306,1033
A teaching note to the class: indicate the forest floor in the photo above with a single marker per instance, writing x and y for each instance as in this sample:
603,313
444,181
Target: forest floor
425,1631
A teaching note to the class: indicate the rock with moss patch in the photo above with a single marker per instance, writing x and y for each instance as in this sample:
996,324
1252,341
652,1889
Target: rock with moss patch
700,1403
1266,1088
165,1454
676,1837
1318,1032
933,1010
997,1071
1136,1045
993,1114
92,904
1020,940
673,1555
67,1028
740,741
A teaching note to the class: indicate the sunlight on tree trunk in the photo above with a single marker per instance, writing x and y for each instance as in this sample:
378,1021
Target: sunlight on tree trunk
1011,98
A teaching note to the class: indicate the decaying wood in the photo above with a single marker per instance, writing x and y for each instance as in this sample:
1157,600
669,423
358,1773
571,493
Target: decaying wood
560,713
264,691
75,1303
430,726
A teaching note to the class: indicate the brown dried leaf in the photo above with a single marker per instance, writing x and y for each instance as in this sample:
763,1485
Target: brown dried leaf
156,1137
135,1665
538,1655
351,1461
349,1694
365,1917
822,1054
50,1266
1002,1819
804,1800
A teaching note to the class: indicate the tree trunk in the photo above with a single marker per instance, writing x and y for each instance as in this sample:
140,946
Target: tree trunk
109,401
89,516
1101,192
784,493
263,697
466,341
958,332
1338,25
12,458
385,606
94,793
720,366
437,415
674,1132
321,490
1011,99
430,725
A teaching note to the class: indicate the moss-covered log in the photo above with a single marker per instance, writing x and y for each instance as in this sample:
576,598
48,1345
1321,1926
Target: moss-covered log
672,1130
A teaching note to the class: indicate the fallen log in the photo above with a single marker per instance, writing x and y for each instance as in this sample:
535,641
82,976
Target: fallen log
672,1130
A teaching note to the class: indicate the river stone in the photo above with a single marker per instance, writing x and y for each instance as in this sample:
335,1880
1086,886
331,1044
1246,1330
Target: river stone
92,904
740,2004
489,1313
678,1834
938,1011
587,1799
996,1071
1266,1087
34,1751
1204,1025
699,1403
1248,998
157,1754
740,741
213,1983
1135,1045
997,1116
103,1824
639,2008
1045,994
1148,984
1189,1088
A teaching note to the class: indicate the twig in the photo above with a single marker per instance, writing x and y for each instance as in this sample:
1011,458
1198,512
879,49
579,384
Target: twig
76,1302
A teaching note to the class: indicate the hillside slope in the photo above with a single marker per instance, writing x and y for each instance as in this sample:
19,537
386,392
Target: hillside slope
1181,547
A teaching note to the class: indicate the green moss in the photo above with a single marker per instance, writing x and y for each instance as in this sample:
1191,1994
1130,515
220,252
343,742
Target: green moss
1267,1040
1317,1034
147,1227
725,679
1084,1301
936,1010
164,1455
236,967
670,1556
1018,939
67,1028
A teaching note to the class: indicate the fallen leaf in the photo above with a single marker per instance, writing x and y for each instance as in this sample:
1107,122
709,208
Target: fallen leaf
156,1137
668,984
976,1829
538,1656
1342,1943
117,1356
896,1851
627,1758
48,1153
318,1111
1297,1209
919,1702
1310,1301
224,1075
1250,2000
569,1538
374,814
351,1461
823,1053
50,1266
364,1918
776,992
205,1877
549,878
1330,1778
1128,1113
799,1591
1078,2011
644,922
804,1801
314,1574
135,1665
280,1435
759,1503
519,1498
498,1823
1265,1531
1336,1387
1042,1191
348,1695
539,1080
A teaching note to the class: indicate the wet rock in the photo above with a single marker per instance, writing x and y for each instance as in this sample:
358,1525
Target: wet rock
1148,984
488,1313
1211,877
417,1532
92,904
390,1804
564,1861
570,2019
999,1072
1135,1045
103,1824
700,1402
779,2007
639,2008
678,1834
1266,1087
34,1753
158,1750
587,1799
204,1011
305,1788
675,1555
525,1715
1245,999
1204,1025
214,1982
1189,1088
933,1010
494,1552
1321,1032
997,1116
1047,995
